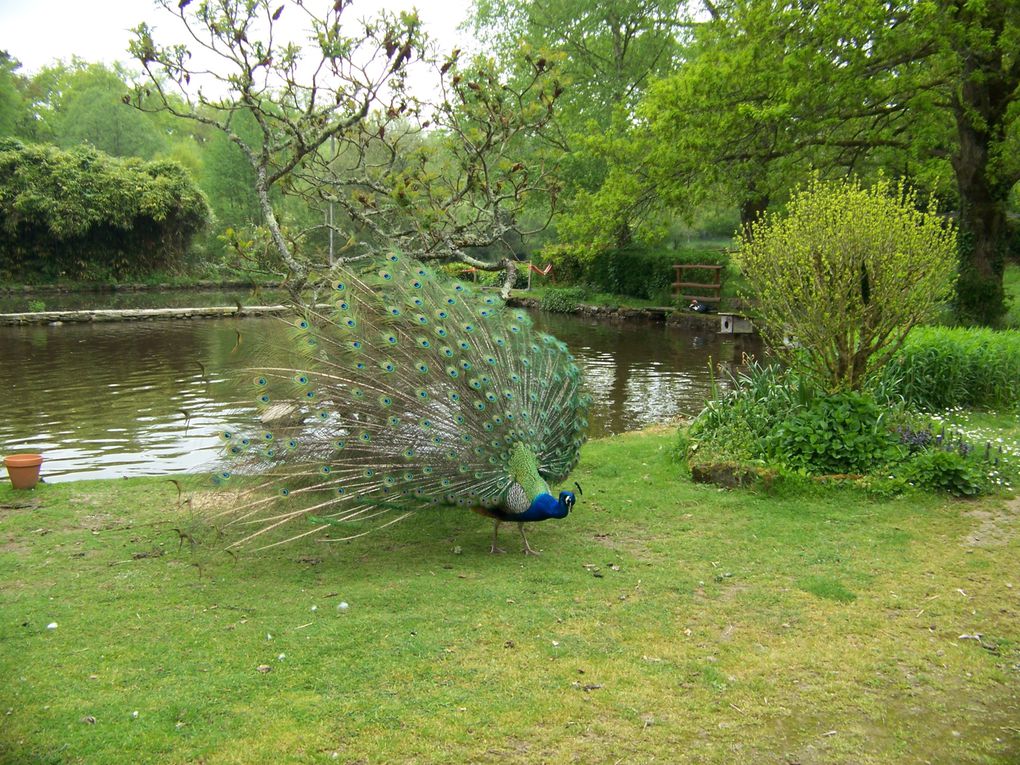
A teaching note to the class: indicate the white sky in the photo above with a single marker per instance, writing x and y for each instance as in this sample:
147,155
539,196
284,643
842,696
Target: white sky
38,32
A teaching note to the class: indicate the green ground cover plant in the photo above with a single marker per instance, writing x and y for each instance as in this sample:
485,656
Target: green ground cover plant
665,621
772,416
942,367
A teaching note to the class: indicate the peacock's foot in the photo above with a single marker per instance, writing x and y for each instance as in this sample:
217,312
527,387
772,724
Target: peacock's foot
529,551
494,550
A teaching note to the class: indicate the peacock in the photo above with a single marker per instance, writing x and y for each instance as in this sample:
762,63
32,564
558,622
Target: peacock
404,389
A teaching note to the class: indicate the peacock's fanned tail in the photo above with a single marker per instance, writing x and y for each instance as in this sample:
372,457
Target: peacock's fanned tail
404,390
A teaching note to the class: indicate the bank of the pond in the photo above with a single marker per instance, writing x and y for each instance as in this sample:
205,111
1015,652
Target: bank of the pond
689,320
665,621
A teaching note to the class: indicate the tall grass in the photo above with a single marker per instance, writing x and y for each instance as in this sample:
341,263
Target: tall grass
942,367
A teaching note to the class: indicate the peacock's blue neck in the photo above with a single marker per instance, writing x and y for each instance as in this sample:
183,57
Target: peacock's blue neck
544,507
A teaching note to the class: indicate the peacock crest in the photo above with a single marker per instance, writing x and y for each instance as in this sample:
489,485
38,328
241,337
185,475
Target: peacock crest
405,389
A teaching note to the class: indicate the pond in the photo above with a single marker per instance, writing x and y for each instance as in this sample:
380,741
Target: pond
111,400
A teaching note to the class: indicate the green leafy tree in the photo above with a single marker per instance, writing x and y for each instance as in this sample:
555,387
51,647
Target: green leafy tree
607,54
770,91
847,272
13,107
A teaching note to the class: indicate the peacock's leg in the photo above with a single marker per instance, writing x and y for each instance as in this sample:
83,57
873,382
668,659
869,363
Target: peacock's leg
527,547
495,536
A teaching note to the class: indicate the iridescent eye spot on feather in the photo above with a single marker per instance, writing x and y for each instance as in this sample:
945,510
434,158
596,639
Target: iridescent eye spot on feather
425,423
357,393
408,453
419,302
394,311
475,383
284,492
441,331
427,470
446,351
267,436
514,328
423,320
464,345
421,366
292,444
368,472
310,394
452,301
350,323
479,405
468,327
302,324
355,345
261,381
465,365
460,420
490,397
325,470
360,365
389,338
322,414
385,401
385,275
445,482
424,342
393,258
422,394
422,272
340,490
343,305
416,284
490,360
263,399
301,379
452,372
340,444
268,452
485,313
226,435
458,288
339,286
454,397
387,366
500,342
488,426
394,421
441,314
520,317
466,438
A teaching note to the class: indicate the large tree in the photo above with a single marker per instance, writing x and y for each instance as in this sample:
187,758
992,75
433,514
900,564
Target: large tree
337,125
771,91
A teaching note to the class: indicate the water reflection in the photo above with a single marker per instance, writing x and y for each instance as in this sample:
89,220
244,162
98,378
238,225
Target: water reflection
109,400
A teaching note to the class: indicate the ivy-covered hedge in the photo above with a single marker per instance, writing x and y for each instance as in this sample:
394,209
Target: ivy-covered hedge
82,214
637,272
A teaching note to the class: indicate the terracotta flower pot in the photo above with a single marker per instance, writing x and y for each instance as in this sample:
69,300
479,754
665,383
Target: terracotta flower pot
23,469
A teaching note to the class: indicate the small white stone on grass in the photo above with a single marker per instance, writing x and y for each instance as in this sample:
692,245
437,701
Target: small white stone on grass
51,626
342,606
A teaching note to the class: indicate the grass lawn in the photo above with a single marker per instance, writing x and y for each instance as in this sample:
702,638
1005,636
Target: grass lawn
665,622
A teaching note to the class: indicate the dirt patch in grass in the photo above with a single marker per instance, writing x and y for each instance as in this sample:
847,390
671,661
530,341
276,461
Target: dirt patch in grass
996,527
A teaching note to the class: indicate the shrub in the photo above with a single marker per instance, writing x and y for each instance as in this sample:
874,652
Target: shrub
940,367
839,433
86,215
949,471
848,272
633,271
563,299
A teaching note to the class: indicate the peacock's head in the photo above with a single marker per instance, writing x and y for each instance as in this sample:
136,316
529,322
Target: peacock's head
567,501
